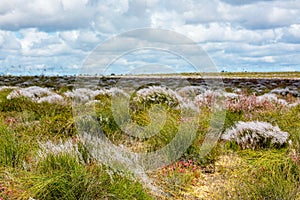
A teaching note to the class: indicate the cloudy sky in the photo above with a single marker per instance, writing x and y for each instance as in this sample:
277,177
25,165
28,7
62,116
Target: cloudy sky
56,36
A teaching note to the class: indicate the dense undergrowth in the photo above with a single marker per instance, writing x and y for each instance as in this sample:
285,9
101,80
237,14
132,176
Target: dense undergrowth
29,170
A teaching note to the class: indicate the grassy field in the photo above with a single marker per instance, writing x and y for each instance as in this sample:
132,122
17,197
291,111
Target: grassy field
44,156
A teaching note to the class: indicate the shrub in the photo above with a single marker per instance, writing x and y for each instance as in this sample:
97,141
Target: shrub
145,97
36,94
191,91
250,103
83,95
256,135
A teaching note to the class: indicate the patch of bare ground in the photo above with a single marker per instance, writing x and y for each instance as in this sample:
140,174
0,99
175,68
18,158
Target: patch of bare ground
216,185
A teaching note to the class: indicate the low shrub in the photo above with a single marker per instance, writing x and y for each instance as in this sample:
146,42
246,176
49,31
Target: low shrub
144,98
256,135
36,94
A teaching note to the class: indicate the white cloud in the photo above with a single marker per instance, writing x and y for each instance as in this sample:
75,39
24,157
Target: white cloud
32,38
262,14
166,19
237,34
8,41
47,15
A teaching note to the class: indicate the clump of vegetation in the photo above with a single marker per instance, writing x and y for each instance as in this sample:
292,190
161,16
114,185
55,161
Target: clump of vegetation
148,96
176,177
43,157
263,174
13,148
36,94
63,176
256,135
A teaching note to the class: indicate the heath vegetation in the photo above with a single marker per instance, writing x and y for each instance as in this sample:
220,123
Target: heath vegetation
43,155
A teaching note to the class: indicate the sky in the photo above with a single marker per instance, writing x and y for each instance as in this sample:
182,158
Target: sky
57,36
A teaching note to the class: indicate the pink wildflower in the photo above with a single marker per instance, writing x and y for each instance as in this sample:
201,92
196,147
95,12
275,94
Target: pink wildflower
10,121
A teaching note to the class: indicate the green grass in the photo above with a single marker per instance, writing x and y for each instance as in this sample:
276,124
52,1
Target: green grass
267,174
262,174
23,174
14,148
63,176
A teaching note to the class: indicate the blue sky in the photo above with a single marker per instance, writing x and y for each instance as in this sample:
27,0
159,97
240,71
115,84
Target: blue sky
55,36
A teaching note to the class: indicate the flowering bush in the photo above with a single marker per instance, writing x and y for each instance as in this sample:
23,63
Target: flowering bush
72,147
191,91
83,94
36,94
255,135
205,99
157,94
240,102
252,102
145,97
213,98
86,95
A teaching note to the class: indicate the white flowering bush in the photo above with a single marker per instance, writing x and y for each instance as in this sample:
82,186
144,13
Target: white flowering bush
56,148
72,147
86,95
36,94
156,95
191,91
256,135
82,94
210,97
